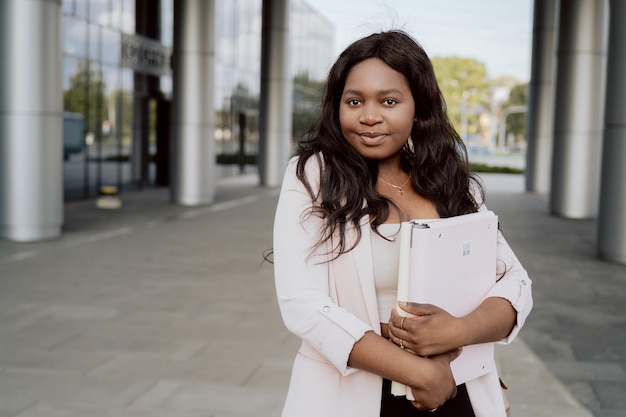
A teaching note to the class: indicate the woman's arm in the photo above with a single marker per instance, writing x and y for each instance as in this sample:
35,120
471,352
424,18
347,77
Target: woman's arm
431,379
301,275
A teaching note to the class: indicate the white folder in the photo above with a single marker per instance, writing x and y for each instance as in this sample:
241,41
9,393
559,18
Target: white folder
451,263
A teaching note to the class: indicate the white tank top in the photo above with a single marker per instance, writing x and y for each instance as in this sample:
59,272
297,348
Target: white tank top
385,257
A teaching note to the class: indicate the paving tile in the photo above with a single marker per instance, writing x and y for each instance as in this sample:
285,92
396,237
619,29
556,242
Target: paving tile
611,394
585,393
209,370
113,343
588,371
533,388
545,410
29,336
11,405
18,356
32,386
55,409
212,399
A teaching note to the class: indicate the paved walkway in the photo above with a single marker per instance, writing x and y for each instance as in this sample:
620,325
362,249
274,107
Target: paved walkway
162,310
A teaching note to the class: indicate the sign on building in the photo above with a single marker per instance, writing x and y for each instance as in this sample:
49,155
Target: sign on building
145,55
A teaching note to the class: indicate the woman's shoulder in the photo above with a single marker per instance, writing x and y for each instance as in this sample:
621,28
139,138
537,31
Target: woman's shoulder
310,166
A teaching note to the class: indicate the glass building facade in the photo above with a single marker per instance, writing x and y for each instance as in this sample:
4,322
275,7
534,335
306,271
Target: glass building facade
110,101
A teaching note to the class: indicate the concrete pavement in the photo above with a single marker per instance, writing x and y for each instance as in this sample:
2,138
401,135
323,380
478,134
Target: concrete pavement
162,310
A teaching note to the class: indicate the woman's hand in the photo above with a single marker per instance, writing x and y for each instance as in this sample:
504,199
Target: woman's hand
441,388
430,379
431,330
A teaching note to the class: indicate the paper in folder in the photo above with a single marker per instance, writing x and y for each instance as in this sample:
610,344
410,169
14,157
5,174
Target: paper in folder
450,263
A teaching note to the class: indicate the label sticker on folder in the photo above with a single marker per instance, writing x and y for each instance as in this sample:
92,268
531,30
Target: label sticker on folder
467,247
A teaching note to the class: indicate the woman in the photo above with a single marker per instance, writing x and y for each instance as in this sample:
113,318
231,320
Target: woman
383,151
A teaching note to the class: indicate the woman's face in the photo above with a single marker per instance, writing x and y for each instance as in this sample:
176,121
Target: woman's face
377,110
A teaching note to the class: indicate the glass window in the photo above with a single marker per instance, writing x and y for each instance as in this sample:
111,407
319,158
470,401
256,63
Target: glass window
74,37
68,6
123,15
100,12
70,67
117,7
167,22
74,93
94,42
125,119
81,8
111,41
128,16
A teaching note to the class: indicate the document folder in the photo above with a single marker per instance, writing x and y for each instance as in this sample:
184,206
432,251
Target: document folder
451,263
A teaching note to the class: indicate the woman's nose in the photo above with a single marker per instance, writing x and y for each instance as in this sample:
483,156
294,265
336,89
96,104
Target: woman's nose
370,115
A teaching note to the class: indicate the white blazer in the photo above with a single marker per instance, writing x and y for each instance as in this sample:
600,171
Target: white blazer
330,306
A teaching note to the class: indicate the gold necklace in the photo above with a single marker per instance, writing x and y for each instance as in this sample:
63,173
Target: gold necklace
397,187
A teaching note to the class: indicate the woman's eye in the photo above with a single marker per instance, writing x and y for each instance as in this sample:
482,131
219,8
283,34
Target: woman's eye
353,102
390,101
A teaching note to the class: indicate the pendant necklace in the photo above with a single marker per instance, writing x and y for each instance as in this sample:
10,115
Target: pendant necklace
400,188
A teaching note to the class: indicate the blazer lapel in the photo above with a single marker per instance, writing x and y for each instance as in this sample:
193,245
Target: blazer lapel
365,268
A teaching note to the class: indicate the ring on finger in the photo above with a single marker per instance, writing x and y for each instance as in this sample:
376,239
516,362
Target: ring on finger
401,343
402,322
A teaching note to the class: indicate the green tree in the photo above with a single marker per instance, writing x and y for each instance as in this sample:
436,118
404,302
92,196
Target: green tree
463,82
85,95
516,122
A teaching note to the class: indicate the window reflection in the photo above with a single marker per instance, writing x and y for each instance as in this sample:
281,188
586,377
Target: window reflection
101,92
74,39
97,95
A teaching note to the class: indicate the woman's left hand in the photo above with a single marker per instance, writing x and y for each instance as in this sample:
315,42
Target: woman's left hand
431,330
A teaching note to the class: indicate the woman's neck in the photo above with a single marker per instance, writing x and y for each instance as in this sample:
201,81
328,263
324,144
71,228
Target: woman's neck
391,169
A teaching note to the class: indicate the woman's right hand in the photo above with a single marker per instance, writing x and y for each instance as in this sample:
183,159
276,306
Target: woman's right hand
441,386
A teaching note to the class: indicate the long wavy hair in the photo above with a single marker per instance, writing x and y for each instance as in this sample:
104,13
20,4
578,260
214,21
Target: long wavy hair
435,157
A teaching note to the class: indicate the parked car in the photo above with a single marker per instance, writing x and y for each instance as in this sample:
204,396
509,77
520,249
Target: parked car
73,134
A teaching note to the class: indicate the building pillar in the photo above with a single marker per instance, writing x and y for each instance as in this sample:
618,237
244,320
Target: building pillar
541,89
31,120
612,211
579,108
276,93
193,147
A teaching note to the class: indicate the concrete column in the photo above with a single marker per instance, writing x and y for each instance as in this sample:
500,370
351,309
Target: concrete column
579,110
541,89
276,90
193,148
612,212
31,120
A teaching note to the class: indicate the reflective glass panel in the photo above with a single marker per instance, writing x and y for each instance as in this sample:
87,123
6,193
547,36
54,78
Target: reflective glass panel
74,37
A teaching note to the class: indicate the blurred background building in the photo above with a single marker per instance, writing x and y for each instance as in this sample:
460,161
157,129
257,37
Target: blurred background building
116,95
117,87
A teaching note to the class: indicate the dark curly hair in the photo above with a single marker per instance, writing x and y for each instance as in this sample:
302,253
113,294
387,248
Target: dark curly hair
435,158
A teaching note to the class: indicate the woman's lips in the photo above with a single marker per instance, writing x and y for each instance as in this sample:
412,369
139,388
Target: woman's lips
372,139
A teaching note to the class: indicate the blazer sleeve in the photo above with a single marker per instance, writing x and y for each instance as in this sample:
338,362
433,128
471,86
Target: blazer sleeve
302,278
513,285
